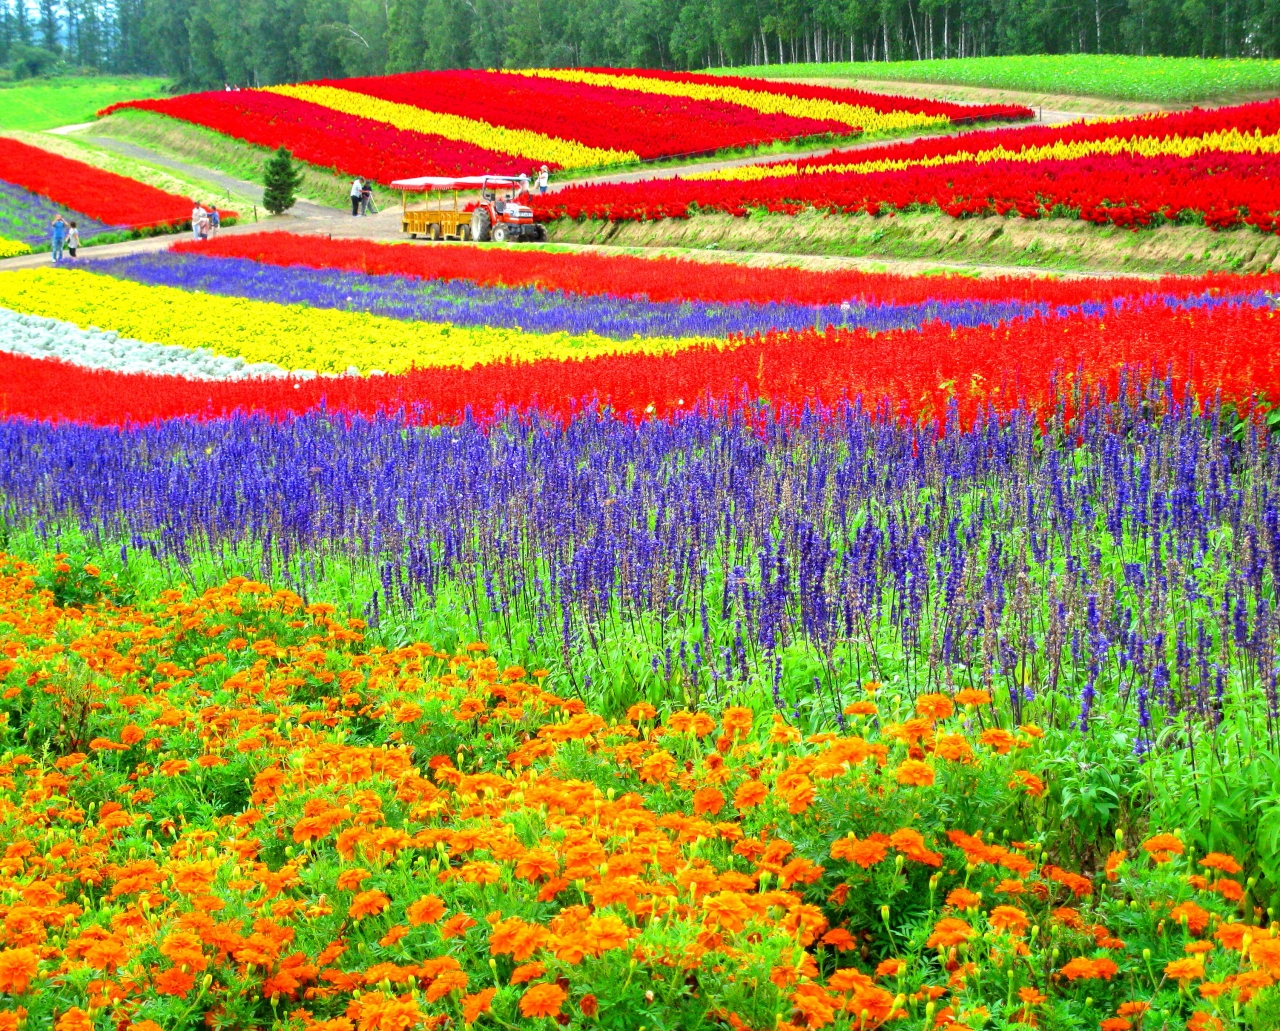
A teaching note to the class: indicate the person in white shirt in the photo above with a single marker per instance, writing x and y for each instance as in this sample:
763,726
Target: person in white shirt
357,188
543,176
197,219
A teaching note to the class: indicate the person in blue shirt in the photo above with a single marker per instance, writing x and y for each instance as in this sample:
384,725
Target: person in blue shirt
58,236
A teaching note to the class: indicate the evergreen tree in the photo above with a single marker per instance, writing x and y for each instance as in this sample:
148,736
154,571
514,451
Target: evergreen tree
280,179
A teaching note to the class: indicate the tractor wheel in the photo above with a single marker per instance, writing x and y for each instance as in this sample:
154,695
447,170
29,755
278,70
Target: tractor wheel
464,233
434,233
501,234
480,225
540,233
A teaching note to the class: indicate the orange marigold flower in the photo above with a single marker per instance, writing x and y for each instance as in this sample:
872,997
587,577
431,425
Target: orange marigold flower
972,696
997,739
527,972
350,880
1197,948
1197,918
1185,969
840,939
1009,919
1232,935
890,968
1115,1024
542,1000
641,711
750,794
949,931
1113,864
446,983
1164,843
934,706
865,853
963,898
861,709
701,724
737,721
476,1004
589,1005
1031,996
368,903
914,773
954,748
707,800
175,982
1087,969
1133,1009
75,1019
427,910
1033,785
456,926
17,968
1229,889
1221,862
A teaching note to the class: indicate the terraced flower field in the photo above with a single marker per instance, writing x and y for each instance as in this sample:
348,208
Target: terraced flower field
453,123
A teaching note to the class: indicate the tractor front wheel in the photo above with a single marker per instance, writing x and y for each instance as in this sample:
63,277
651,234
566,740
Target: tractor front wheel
480,225
500,234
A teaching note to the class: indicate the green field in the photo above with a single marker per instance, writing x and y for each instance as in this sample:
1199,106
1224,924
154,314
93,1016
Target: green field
1166,80
49,103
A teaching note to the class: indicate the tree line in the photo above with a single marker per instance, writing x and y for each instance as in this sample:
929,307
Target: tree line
209,43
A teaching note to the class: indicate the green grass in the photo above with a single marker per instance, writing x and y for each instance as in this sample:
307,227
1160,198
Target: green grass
1167,80
49,103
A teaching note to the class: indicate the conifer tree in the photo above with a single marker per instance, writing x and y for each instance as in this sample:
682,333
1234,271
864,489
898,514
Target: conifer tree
280,179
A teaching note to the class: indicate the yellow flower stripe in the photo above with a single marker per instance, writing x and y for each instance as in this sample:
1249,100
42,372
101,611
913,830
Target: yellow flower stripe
521,142
1232,141
12,248
871,121
290,335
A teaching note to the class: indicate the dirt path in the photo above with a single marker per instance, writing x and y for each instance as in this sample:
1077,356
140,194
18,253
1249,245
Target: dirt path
240,186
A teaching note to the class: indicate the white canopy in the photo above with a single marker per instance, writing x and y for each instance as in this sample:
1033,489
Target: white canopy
470,182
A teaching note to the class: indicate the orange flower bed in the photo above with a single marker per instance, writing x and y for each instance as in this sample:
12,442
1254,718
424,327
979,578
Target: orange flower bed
232,809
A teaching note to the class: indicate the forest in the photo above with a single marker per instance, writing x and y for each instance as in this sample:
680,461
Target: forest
210,43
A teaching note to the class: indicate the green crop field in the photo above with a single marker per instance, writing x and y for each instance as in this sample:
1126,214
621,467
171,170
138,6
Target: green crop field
1168,80
48,103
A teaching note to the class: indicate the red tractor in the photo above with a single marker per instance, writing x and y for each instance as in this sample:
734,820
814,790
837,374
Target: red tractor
500,216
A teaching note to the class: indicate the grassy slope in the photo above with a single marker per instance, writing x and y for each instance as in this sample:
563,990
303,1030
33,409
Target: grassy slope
1059,244
208,149
48,103
1153,79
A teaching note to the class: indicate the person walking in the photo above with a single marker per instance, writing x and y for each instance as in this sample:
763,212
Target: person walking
215,221
366,199
73,240
357,187
197,221
57,236
543,177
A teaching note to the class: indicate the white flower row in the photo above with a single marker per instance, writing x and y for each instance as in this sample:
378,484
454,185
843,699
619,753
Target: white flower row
93,348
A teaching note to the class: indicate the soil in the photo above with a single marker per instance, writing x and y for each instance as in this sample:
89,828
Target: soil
1049,244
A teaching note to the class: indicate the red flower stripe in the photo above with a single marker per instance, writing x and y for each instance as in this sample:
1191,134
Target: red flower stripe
1225,189
647,124
112,199
672,279
958,113
1235,350
1263,117
330,139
